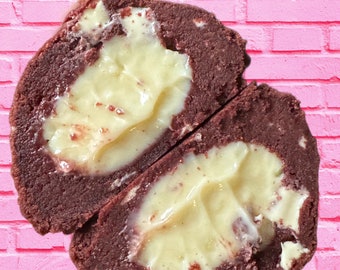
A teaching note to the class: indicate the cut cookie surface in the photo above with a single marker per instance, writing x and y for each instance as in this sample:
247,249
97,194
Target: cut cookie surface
231,196
119,85
122,103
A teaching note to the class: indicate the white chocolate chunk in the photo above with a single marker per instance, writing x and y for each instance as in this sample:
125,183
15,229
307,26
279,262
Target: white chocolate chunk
122,103
92,19
283,207
131,194
211,207
303,142
199,23
291,251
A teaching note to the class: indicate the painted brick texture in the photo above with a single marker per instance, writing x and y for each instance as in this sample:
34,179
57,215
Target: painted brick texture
8,69
24,39
7,14
54,11
334,38
294,46
297,39
293,11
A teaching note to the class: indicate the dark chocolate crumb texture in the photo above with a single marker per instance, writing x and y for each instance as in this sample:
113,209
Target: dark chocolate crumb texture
239,193
134,127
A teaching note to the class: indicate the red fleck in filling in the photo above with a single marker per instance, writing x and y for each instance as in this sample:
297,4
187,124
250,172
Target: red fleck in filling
126,12
73,137
194,266
111,108
80,132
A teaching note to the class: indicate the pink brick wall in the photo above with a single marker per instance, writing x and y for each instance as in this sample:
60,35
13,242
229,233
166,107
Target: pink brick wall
294,45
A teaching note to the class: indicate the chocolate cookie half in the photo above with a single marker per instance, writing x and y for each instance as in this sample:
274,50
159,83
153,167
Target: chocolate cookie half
115,89
240,193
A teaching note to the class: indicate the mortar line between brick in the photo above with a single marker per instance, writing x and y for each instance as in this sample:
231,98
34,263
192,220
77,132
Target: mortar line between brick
5,167
42,24
290,23
327,137
55,250
7,193
306,53
326,111
17,53
300,81
332,194
17,6
335,219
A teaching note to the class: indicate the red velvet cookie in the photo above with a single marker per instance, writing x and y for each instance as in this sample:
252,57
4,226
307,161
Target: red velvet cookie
240,193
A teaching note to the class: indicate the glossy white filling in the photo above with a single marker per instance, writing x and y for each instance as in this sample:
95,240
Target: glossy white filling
123,102
212,206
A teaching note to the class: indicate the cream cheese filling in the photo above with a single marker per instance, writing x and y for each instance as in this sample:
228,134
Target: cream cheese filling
212,206
123,102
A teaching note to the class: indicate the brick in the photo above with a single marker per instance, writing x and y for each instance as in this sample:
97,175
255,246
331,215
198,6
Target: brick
224,10
310,95
4,124
329,152
256,37
328,260
323,125
293,11
329,182
28,238
6,69
3,238
273,67
311,265
329,236
5,153
6,182
67,241
329,207
334,38
10,209
6,96
53,11
8,261
7,14
45,261
332,95
297,39
24,39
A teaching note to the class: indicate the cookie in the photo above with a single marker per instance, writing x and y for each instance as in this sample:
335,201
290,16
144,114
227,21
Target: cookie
240,193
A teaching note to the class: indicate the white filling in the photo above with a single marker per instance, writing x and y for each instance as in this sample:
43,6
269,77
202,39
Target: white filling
199,23
122,103
92,19
290,252
212,206
302,142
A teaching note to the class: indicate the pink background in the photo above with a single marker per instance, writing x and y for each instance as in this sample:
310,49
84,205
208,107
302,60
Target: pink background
294,45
